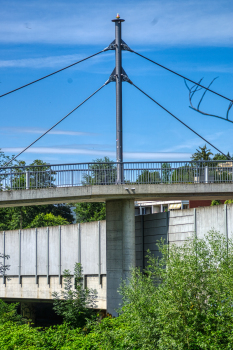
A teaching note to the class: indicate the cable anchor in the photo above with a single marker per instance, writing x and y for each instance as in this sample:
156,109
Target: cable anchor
125,46
124,76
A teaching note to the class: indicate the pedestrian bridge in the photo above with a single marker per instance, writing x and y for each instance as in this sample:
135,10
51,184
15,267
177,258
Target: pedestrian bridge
97,182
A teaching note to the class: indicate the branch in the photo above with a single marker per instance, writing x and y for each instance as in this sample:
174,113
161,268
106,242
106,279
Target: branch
194,89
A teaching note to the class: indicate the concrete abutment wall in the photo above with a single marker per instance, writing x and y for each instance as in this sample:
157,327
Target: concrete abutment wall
106,250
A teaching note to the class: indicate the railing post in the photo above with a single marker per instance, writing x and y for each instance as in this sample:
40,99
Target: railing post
27,179
206,174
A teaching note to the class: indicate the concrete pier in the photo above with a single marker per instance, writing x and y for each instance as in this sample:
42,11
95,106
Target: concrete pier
120,244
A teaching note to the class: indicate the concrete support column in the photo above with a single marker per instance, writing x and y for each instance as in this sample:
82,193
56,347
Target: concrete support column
120,244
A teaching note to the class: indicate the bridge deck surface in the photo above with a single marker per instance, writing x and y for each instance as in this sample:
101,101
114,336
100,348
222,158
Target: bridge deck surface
102,193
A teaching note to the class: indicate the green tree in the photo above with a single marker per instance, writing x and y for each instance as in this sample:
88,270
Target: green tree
228,201
215,202
101,172
86,212
219,156
202,154
21,217
43,220
166,173
148,176
98,174
75,305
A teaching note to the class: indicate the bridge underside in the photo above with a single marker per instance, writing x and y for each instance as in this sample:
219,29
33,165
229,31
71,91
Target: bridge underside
102,193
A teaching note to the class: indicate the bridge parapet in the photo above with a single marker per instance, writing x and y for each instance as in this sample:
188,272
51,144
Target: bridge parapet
86,174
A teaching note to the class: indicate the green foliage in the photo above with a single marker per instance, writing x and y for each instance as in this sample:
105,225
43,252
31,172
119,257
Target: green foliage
86,212
3,267
219,156
228,201
185,298
202,154
75,305
147,176
43,220
22,217
183,301
215,202
8,313
101,174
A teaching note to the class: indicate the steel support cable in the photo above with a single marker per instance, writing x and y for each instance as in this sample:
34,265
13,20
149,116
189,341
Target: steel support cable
179,75
49,75
46,132
179,120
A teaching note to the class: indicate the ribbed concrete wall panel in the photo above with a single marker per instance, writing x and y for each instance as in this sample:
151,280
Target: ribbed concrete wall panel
42,246
180,236
180,220
89,247
181,228
210,218
54,250
103,246
12,249
69,246
230,220
28,249
182,213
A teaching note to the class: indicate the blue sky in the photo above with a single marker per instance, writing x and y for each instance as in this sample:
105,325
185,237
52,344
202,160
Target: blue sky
194,38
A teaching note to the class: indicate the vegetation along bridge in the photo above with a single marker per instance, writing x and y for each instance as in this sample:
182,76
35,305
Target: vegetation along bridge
59,183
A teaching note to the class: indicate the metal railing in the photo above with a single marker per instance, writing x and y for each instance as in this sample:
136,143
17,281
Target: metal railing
86,174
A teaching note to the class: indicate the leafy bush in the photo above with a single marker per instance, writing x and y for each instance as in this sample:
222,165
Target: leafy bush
215,202
8,312
75,305
185,299
228,201
43,220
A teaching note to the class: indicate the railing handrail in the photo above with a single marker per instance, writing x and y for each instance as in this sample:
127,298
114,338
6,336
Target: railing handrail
115,163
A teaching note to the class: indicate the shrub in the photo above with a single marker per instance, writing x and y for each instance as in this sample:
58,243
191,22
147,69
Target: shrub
185,299
75,305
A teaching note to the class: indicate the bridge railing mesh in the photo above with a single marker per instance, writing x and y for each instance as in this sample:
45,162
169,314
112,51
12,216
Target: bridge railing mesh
86,174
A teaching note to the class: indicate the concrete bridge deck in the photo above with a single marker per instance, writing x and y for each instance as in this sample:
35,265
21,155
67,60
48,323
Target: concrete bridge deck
102,193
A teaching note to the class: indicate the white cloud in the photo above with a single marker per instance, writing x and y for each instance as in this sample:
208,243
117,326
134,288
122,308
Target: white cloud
147,156
52,61
41,131
166,22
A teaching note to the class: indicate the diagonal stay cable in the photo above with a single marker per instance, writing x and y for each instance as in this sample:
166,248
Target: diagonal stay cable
49,75
179,120
46,132
172,71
